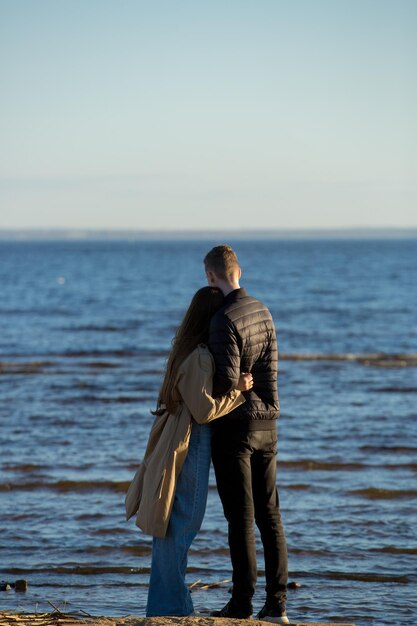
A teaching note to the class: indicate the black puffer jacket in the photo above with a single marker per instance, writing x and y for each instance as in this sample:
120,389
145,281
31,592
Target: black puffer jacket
242,339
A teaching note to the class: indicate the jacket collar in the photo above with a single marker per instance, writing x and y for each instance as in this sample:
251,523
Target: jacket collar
235,295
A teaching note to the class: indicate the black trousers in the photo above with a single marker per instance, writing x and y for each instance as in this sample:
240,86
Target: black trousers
245,467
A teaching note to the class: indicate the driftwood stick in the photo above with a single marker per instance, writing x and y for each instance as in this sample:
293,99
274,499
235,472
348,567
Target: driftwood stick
194,583
85,613
56,608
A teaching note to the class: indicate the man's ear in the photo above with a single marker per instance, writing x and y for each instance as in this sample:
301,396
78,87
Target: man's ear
211,277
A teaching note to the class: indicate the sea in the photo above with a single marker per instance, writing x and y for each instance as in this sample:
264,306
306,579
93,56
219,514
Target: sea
85,329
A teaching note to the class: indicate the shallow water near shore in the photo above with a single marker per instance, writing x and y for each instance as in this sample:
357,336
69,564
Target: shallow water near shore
85,330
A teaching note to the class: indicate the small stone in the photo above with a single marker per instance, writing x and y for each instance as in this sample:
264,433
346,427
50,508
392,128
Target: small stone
21,585
293,585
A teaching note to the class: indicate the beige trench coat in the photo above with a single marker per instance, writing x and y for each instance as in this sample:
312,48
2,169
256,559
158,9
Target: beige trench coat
151,493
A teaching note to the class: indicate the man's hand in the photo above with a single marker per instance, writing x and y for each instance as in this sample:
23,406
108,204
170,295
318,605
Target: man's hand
245,382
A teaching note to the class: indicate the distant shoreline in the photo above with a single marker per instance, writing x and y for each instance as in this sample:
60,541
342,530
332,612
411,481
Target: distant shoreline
206,235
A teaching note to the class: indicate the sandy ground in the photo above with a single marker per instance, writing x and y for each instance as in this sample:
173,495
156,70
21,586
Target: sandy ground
60,619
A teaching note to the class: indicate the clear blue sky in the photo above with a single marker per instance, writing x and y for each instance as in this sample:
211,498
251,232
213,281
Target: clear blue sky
208,114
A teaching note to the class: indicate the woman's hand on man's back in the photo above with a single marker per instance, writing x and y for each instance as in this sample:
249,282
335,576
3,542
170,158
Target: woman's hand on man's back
245,382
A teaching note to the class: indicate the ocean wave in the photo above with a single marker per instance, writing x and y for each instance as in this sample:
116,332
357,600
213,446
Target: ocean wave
401,466
378,493
25,467
64,486
297,487
377,359
394,550
97,570
131,550
102,364
36,367
30,367
104,328
99,353
81,570
90,516
393,389
118,530
395,449
366,577
329,466
105,399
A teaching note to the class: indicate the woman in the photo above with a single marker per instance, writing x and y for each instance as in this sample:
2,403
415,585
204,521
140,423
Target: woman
169,491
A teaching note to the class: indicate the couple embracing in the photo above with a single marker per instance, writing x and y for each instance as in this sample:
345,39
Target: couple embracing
218,401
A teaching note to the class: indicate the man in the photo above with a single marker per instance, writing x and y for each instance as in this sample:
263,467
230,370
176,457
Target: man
244,445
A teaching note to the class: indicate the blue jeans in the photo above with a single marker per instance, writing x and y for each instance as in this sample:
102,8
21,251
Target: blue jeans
168,594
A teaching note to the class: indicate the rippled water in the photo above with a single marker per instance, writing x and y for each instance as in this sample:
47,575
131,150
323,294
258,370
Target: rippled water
84,331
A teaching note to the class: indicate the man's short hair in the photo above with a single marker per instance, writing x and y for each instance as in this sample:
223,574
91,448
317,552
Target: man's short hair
222,260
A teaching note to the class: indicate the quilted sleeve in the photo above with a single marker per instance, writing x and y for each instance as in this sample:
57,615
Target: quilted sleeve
195,385
224,346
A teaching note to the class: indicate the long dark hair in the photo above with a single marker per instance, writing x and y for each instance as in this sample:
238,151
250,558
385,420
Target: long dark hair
193,330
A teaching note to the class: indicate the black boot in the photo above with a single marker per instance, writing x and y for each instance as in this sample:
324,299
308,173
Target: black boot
234,610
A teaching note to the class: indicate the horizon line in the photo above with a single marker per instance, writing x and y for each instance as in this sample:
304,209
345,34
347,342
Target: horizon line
79,233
